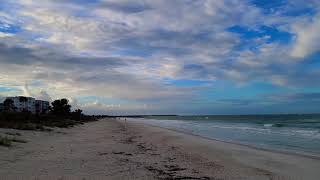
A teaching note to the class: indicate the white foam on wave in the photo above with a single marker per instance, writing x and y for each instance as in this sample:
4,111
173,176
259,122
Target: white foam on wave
300,139
265,129
268,125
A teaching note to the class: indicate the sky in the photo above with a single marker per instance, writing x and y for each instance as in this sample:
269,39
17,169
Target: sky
164,56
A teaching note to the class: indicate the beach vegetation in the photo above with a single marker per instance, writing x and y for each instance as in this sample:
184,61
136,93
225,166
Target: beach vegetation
13,134
18,140
60,115
5,141
61,107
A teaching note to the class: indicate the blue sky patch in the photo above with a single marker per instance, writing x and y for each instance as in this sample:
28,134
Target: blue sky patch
9,28
269,4
6,89
273,34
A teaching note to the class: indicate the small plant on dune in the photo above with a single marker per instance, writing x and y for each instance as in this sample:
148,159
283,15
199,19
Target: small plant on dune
18,140
13,134
5,141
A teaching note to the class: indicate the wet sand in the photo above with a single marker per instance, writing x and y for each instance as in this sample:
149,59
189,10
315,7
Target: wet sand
107,149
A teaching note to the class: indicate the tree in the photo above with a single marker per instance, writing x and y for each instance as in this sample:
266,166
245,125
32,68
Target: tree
61,107
77,114
78,111
9,105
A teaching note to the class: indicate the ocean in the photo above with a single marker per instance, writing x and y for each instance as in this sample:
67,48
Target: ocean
294,133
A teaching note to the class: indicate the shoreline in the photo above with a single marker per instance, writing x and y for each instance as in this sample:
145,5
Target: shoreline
110,149
289,164
274,150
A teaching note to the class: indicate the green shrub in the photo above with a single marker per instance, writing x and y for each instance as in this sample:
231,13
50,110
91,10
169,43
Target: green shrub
13,134
5,141
28,121
18,140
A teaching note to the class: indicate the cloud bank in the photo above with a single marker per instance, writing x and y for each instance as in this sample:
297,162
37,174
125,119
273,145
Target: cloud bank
150,56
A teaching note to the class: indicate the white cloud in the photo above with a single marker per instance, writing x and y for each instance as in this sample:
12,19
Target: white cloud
5,35
307,38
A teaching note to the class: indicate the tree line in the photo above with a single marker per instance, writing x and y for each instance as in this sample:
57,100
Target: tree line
59,115
60,107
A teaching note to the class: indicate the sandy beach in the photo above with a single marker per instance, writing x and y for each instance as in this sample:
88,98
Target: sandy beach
108,149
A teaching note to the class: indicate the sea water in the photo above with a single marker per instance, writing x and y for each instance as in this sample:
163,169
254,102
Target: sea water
295,133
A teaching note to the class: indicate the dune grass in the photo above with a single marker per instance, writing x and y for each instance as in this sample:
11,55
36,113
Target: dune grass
13,134
18,140
6,141
28,121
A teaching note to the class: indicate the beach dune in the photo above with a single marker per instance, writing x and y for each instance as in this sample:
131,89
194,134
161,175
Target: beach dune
108,149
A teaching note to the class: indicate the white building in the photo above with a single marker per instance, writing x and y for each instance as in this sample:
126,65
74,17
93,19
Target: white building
28,104
22,104
42,107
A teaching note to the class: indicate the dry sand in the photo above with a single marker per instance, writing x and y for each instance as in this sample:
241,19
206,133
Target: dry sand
108,150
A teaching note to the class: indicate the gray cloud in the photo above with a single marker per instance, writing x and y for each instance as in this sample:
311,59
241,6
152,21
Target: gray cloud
125,50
